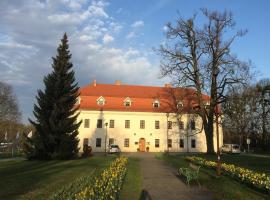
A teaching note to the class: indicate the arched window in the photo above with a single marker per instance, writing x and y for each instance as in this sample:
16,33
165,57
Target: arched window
101,101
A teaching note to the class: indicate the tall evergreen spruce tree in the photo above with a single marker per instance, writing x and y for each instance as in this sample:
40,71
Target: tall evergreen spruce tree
56,118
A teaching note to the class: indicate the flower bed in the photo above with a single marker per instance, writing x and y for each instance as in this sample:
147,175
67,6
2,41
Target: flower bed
108,184
258,180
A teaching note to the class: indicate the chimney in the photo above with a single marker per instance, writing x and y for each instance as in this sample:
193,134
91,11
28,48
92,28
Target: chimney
117,82
167,85
94,83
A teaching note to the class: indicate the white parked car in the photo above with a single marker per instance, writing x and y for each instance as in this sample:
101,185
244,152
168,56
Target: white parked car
230,148
114,148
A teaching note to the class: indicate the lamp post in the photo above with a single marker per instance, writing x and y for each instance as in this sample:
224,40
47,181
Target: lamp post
106,124
218,150
167,115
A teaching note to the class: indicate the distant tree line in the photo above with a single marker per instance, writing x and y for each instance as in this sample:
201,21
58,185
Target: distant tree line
247,115
11,127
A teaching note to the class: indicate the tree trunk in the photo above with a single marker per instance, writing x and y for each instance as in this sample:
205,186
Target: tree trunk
209,137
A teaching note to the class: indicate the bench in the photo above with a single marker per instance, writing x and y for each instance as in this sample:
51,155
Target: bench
191,173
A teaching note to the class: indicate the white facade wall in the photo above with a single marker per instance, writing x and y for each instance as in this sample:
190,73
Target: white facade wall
119,133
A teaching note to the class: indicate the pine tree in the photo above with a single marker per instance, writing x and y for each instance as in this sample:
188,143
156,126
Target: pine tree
55,112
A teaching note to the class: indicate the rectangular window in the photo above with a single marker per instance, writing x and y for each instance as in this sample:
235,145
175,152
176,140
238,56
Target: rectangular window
169,124
98,142
111,123
193,143
85,141
126,142
111,141
142,124
157,143
170,143
86,123
127,123
192,124
181,143
99,123
156,124
181,125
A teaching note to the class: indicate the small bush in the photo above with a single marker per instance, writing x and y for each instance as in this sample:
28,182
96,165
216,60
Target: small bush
87,151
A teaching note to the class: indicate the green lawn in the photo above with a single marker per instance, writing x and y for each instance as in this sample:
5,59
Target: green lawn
39,179
133,182
225,187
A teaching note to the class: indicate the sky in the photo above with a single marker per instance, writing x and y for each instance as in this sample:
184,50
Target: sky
111,40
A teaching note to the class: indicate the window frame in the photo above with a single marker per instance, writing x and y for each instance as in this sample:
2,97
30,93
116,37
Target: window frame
100,142
181,125
181,143
193,143
156,102
180,105
127,123
101,99
157,143
192,124
111,124
126,142
111,139
169,143
127,102
142,124
157,124
169,124
86,123
85,141
99,123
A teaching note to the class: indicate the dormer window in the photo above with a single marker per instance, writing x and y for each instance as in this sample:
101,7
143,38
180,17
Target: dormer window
180,104
101,101
207,105
156,104
78,101
196,107
127,102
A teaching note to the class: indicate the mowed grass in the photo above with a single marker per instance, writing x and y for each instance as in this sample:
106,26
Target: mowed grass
223,187
40,179
132,186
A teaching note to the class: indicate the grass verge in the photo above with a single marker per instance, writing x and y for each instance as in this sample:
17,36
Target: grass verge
223,187
132,186
39,179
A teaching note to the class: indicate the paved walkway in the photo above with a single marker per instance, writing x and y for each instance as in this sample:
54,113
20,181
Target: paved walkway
160,181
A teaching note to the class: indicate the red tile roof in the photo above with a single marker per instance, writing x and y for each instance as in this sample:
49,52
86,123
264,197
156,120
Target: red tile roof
142,97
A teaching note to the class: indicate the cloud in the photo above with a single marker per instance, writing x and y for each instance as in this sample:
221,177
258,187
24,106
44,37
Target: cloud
130,35
30,32
137,24
107,38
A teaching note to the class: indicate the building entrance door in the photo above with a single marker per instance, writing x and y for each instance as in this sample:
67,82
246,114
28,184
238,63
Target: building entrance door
142,144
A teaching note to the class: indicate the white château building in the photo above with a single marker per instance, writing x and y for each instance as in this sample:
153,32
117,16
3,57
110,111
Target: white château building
140,118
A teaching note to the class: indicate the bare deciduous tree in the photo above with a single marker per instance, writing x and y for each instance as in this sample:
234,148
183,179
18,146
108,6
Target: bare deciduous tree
9,109
200,57
263,90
